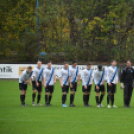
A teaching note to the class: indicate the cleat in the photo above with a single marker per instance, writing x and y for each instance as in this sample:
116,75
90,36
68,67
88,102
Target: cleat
64,105
101,105
114,106
50,104
86,105
38,104
98,105
33,104
108,106
129,107
72,105
47,105
125,106
24,105
90,105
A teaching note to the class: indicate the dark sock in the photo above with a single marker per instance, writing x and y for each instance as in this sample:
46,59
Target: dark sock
38,98
33,97
84,98
46,99
112,100
63,98
50,97
71,98
97,99
101,98
108,99
88,98
22,99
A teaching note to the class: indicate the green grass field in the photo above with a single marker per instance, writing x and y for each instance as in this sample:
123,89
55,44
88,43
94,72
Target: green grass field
15,119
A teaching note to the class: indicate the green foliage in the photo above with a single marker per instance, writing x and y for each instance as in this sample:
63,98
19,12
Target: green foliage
100,29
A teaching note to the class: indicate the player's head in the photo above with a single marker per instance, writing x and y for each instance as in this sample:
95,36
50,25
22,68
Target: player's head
74,63
128,63
49,63
29,69
89,65
100,67
65,65
113,62
39,63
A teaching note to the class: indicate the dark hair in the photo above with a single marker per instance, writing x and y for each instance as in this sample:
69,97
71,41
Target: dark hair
74,61
65,63
29,67
89,63
48,62
99,67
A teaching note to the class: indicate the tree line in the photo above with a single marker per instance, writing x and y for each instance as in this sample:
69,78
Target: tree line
95,30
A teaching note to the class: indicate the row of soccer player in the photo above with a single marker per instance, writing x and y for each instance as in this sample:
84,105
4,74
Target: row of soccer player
69,76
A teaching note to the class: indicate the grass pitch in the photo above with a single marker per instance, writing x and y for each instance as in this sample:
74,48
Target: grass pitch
15,119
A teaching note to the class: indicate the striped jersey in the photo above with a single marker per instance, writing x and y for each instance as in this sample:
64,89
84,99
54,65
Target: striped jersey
87,77
24,76
64,74
48,75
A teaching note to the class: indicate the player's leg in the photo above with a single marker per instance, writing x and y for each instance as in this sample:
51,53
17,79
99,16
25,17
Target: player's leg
109,88
51,94
22,88
73,90
46,95
84,96
34,92
39,88
88,95
97,98
64,95
112,95
102,89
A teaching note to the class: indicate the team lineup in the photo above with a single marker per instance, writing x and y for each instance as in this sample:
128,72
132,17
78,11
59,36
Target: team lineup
69,77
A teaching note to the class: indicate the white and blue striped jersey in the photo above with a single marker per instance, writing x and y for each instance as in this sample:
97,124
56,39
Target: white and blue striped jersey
24,76
111,76
72,73
99,77
87,77
64,74
48,75
36,73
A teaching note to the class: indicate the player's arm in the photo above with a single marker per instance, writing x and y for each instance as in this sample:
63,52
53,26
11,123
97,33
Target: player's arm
70,79
28,81
95,80
54,77
34,77
79,77
60,80
44,81
83,79
108,74
122,79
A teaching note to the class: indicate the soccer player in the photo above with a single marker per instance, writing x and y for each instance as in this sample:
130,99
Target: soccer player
23,80
49,79
99,80
74,75
87,81
112,81
127,78
64,82
37,83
